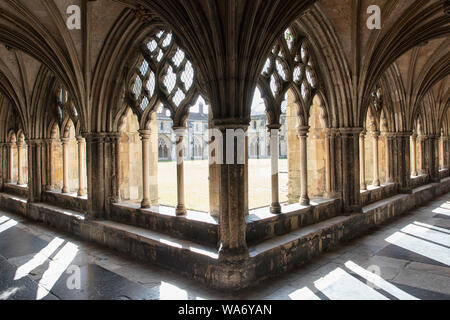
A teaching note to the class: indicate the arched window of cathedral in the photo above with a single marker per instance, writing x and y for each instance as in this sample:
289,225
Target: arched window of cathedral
163,74
66,149
289,65
376,145
130,160
287,87
162,91
163,150
13,156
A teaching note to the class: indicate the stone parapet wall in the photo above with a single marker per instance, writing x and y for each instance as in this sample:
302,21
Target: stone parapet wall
378,193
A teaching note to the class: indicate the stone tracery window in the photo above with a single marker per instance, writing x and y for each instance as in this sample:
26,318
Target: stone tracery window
290,70
289,64
163,74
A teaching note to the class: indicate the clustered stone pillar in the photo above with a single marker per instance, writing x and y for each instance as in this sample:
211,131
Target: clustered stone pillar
274,155
433,151
362,159
303,135
403,162
2,165
10,163
50,173
327,164
34,170
414,155
233,196
333,158
145,137
390,138
65,150
19,163
180,133
376,169
446,152
351,192
81,181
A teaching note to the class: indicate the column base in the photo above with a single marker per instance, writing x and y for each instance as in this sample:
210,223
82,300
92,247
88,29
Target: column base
82,193
275,208
304,201
233,256
376,183
348,211
415,174
65,190
145,204
19,183
405,190
363,187
181,210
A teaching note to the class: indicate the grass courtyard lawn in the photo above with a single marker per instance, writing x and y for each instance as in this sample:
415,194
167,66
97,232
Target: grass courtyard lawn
197,183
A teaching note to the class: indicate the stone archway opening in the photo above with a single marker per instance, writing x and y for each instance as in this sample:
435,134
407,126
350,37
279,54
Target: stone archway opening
130,164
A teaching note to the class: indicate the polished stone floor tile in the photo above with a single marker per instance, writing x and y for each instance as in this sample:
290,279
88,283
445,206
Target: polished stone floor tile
15,242
393,251
20,289
96,283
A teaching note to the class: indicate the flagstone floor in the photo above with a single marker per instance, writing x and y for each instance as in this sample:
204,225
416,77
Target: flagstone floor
408,258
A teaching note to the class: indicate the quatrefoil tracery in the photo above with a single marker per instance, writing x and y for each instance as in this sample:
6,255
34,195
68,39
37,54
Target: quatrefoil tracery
163,74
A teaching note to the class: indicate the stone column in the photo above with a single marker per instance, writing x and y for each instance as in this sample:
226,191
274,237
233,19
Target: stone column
215,141
154,158
434,158
10,163
376,169
233,193
351,192
274,156
145,137
446,152
414,155
34,170
19,163
96,174
403,162
362,160
2,163
81,182
327,164
180,132
303,136
333,158
390,137
65,150
117,173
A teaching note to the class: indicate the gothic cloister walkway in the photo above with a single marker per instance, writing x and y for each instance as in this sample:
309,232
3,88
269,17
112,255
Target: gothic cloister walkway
409,259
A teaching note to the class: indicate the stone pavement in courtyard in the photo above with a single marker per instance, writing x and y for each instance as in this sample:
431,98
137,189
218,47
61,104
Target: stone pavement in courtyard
408,258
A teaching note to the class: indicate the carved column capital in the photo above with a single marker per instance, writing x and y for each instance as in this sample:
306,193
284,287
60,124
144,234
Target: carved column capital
350,131
303,131
32,142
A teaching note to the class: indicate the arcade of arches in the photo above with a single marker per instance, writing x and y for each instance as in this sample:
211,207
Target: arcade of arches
112,131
